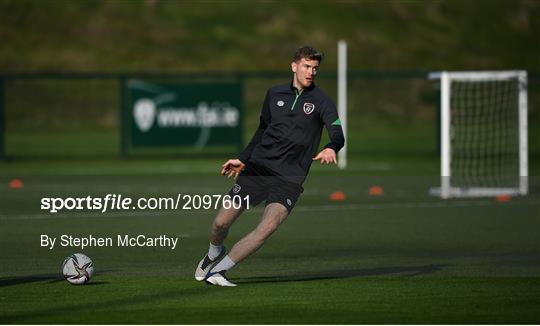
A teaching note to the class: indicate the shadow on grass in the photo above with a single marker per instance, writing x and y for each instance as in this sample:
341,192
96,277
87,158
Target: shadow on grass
337,274
50,278
98,283
9,281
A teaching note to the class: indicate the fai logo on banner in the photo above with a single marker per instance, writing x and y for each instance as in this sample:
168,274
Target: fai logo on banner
144,113
309,108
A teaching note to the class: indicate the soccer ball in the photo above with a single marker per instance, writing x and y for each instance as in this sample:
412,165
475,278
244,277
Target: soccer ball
78,268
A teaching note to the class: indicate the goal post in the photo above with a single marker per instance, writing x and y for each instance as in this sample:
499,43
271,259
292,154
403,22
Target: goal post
483,133
342,99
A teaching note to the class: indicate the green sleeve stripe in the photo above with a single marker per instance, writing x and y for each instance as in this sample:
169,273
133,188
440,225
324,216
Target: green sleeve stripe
336,123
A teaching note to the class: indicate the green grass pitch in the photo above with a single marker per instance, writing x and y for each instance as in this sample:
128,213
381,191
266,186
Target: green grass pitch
403,257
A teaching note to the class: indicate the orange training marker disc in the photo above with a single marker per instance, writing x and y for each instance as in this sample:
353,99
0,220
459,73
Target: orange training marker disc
503,198
376,191
337,196
16,184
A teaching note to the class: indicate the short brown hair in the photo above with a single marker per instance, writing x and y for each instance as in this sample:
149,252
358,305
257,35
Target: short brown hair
307,52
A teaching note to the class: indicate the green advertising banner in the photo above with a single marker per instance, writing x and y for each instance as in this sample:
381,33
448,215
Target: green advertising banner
183,114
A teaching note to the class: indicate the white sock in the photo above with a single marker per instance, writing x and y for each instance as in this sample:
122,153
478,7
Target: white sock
214,251
224,265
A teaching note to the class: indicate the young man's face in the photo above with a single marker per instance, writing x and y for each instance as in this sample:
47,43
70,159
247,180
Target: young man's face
304,72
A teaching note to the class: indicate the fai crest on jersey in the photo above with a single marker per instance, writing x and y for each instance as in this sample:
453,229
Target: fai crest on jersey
236,188
309,108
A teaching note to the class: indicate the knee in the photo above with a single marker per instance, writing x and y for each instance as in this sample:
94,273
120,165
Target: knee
221,225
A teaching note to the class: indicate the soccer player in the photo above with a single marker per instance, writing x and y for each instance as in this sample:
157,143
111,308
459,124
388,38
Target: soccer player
275,163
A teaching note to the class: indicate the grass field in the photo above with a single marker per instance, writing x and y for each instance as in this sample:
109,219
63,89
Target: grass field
400,258
403,257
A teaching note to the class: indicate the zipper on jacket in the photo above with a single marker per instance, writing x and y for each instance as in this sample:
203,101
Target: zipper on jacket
298,93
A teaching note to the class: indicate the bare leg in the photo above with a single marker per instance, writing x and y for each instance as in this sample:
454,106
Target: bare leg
274,214
223,221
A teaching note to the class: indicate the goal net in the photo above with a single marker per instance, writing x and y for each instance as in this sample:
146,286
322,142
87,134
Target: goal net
483,134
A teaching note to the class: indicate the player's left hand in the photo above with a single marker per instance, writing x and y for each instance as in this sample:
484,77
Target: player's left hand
326,156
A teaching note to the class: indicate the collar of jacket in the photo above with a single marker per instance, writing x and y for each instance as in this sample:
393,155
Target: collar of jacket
307,89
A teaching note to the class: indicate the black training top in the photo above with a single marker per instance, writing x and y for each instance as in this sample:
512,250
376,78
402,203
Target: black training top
290,129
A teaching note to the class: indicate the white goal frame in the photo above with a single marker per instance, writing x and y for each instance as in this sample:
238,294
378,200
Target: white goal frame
447,190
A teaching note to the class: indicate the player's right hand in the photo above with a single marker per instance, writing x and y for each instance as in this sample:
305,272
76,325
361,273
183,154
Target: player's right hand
232,168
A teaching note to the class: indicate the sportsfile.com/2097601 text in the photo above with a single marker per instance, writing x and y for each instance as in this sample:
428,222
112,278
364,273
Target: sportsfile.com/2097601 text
120,202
